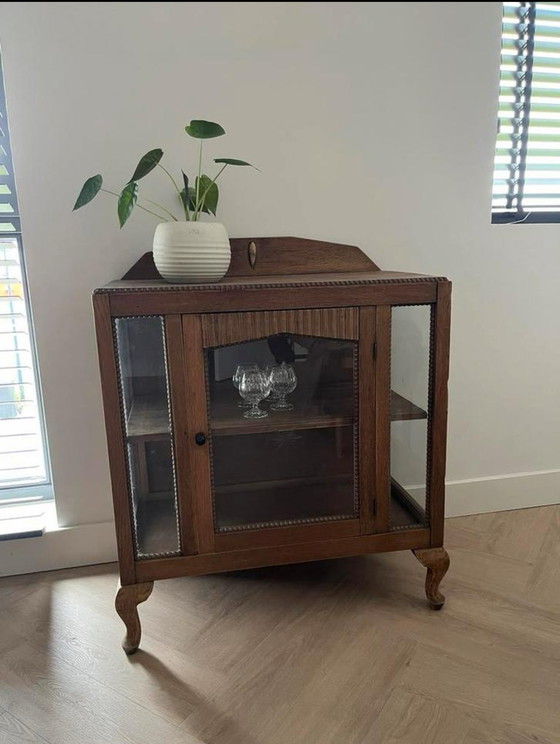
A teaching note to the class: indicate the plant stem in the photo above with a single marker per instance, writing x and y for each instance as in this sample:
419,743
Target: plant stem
159,216
177,189
210,185
162,207
197,205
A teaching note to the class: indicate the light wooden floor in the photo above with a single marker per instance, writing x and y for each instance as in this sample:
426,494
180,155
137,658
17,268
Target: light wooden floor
340,652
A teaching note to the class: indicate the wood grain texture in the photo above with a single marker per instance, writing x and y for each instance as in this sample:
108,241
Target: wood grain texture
115,443
366,432
317,653
195,565
437,425
301,293
126,604
199,492
180,409
278,256
219,329
436,561
232,283
289,535
382,416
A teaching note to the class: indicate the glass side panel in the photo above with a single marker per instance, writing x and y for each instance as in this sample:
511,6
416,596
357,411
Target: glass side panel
140,344
285,453
410,359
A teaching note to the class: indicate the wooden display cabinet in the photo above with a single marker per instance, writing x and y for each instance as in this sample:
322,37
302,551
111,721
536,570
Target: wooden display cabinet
357,466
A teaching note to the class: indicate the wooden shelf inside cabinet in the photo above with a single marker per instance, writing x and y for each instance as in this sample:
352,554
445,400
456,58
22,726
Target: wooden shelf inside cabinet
148,419
231,423
403,409
405,511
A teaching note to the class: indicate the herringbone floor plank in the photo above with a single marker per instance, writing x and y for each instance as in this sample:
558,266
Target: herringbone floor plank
336,652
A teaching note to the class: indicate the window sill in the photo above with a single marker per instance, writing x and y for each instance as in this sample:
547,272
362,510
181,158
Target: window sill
27,520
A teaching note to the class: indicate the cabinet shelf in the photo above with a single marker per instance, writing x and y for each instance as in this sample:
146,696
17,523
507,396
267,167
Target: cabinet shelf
403,409
149,418
405,511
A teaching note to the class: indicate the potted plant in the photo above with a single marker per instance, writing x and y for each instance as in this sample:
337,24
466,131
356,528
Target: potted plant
185,249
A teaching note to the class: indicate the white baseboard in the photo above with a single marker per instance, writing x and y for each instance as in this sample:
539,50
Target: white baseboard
95,543
502,493
66,547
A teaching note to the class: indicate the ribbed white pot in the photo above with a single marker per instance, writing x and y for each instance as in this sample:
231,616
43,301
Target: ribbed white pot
191,252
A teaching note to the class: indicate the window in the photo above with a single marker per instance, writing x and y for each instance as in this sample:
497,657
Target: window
24,467
527,162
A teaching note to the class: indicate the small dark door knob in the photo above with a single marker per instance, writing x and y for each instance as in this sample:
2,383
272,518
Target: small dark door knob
200,438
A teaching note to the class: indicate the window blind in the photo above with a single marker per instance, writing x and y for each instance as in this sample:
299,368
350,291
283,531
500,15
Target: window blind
526,184
23,460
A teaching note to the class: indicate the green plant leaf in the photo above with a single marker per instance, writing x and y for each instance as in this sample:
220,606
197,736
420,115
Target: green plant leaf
185,191
147,163
210,192
200,129
233,161
90,189
192,200
127,200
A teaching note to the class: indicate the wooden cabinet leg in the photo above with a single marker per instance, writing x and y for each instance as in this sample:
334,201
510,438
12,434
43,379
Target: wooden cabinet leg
436,560
126,603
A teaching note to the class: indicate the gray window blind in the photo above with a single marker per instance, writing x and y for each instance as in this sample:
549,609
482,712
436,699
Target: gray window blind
23,459
527,162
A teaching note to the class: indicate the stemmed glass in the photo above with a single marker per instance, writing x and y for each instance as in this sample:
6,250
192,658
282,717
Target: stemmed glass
283,381
236,379
254,387
273,397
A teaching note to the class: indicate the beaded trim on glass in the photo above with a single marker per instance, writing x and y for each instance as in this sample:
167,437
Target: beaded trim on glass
426,521
285,522
279,285
172,437
138,555
356,428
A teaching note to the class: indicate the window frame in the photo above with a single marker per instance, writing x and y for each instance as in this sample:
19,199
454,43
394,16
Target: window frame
522,215
24,493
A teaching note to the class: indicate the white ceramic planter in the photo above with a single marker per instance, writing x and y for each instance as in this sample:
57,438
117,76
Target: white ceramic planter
191,252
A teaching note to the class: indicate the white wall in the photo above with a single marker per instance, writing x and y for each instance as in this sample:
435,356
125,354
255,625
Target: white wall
372,123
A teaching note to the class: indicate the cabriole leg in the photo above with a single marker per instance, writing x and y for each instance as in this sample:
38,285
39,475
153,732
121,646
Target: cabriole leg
436,560
126,603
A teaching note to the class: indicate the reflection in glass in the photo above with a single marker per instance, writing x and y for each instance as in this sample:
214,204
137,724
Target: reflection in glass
147,429
296,465
410,358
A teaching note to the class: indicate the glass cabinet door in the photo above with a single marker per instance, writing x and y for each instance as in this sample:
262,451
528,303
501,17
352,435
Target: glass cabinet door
410,366
282,413
143,383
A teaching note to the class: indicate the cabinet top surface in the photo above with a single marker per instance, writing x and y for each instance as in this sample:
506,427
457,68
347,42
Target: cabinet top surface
237,283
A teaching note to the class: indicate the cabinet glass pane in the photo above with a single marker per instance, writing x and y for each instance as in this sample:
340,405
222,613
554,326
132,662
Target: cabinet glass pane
291,466
140,344
410,359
